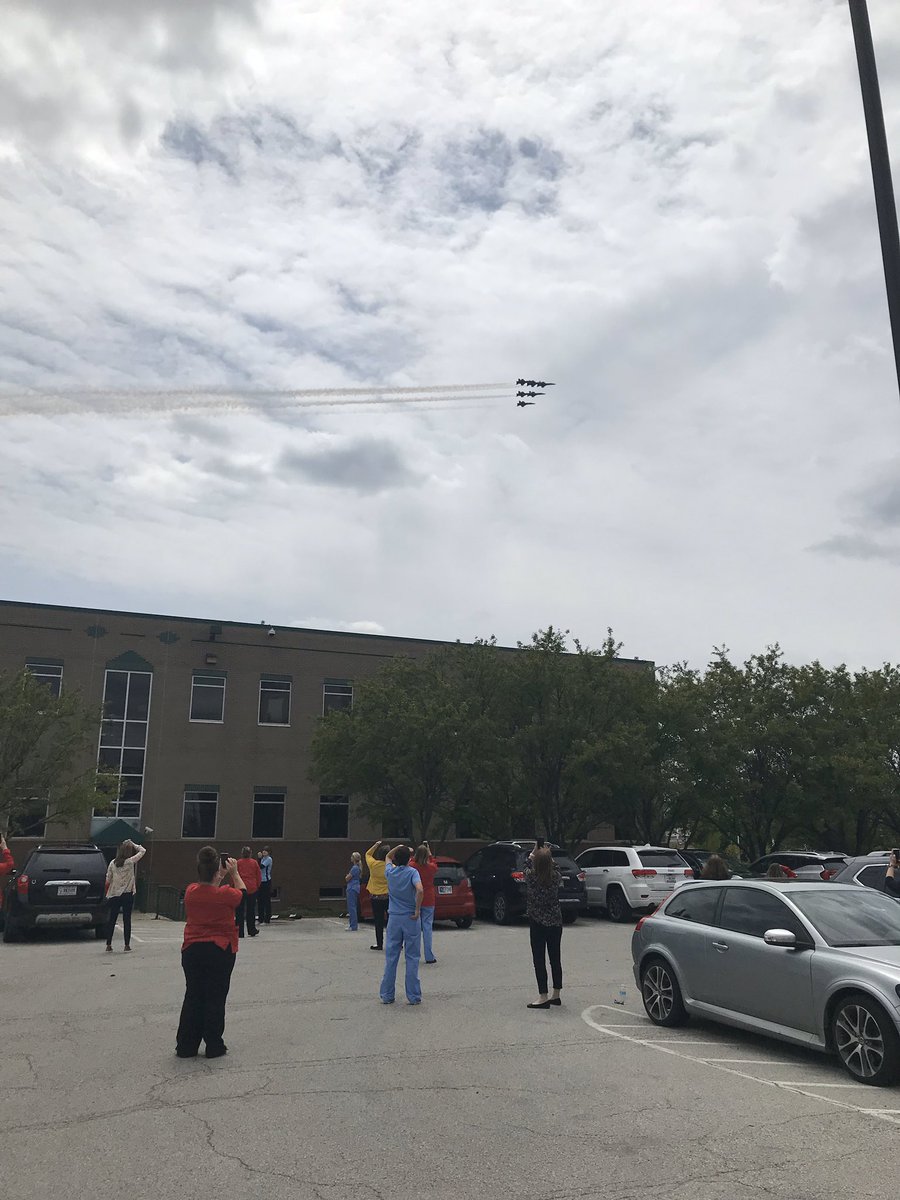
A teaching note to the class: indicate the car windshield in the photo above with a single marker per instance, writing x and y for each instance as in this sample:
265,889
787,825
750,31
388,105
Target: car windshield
660,858
851,917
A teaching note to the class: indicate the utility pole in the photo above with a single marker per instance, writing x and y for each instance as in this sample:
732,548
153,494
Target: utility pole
881,166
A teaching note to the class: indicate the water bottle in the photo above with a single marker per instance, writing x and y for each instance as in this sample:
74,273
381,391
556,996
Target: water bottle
619,998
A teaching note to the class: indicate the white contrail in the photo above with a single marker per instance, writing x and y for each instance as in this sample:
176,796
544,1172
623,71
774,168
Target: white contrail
137,401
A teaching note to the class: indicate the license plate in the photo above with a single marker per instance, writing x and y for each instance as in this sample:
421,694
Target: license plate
66,889
445,891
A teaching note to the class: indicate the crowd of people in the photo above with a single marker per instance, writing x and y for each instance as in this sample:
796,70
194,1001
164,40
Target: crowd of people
233,895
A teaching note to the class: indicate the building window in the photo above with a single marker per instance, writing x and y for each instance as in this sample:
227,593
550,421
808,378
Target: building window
331,893
200,812
334,816
48,672
31,819
268,815
337,696
274,700
123,737
208,697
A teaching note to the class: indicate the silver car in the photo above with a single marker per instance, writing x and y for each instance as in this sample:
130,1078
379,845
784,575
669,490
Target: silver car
814,964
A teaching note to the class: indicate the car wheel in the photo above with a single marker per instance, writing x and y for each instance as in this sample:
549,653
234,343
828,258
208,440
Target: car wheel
617,906
501,909
569,918
866,1041
661,994
463,922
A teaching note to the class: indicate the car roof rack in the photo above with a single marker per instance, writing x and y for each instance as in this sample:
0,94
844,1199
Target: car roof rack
63,845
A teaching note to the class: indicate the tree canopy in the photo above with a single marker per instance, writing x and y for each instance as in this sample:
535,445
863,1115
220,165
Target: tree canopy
560,739
45,741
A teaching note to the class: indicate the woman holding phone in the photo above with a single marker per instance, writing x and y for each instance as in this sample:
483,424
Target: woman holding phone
208,953
120,889
891,882
545,922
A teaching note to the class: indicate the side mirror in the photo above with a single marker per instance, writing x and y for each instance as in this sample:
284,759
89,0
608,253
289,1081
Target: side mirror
780,937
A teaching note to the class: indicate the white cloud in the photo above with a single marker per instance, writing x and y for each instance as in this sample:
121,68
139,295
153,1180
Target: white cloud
666,209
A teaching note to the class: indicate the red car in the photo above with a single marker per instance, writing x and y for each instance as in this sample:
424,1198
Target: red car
453,898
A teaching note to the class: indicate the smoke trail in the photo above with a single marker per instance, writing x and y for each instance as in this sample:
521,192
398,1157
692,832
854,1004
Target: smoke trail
136,401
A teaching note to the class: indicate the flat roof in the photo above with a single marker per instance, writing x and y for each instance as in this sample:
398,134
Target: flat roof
383,637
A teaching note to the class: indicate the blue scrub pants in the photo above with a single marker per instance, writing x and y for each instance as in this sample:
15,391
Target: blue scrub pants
402,933
353,907
427,926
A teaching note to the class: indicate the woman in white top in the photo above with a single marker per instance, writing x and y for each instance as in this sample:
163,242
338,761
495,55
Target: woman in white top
120,889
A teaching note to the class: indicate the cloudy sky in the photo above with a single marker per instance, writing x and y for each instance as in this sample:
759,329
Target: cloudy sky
665,208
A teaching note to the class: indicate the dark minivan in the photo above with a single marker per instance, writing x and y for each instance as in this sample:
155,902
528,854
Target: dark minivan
60,885
497,876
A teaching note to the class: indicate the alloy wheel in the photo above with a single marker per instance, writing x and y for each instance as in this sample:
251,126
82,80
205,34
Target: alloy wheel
859,1041
659,992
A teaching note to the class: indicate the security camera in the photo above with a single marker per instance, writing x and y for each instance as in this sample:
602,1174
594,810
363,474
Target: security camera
271,632
148,829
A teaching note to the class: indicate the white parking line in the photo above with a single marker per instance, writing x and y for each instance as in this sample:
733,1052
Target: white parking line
756,1062
892,1116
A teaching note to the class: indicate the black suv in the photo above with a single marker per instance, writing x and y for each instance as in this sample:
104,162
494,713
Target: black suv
60,884
497,875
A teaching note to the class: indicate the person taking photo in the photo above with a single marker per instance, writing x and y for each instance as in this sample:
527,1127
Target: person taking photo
121,886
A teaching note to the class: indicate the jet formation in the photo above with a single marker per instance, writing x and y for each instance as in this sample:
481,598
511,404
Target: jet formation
526,399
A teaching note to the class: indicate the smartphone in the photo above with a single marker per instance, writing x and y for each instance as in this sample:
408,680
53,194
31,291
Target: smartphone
224,858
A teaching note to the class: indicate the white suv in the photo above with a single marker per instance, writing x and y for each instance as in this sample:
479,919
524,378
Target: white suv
624,878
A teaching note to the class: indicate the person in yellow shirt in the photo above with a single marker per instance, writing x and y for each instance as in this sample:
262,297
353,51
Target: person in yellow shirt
378,889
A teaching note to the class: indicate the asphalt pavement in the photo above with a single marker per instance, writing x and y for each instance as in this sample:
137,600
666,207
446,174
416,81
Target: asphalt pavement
326,1093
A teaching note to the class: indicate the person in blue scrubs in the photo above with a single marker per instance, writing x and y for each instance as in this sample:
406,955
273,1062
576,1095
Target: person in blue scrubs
352,879
404,930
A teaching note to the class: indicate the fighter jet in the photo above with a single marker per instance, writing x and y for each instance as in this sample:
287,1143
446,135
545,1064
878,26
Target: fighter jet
538,383
531,394
524,404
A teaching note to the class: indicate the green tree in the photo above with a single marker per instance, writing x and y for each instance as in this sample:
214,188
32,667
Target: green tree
44,743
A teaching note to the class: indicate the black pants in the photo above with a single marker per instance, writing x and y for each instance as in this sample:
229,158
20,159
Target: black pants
125,903
546,938
264,902
379,916
245,912
207,973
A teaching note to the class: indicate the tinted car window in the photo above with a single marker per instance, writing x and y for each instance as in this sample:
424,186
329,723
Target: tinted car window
745,910
872,877
697,904
474,863
618,858
562,859
66,865
851,916
590,858
449,873
661,858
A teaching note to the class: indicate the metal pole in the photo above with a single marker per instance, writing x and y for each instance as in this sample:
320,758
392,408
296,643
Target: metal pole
881,166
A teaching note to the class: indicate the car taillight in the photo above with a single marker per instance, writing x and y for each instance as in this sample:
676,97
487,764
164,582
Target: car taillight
581,877
518,876
827,873
22,885
690,873
643,873
465,882
645,917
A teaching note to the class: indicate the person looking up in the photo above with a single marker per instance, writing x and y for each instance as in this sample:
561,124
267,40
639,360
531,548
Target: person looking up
251,873
264,894
542,878
776,872
352,880
208,953
121,886
715,867
425,863
378,889
891,882
404,929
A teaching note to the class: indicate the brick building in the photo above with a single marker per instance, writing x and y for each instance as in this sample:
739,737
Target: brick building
209,725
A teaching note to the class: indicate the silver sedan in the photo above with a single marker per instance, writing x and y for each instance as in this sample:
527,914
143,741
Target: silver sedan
813,964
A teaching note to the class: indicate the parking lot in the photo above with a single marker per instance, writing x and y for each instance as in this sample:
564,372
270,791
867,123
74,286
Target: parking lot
326,1093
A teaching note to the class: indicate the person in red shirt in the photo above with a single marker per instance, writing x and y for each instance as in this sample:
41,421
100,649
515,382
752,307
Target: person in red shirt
249,871
208,953
426,864
7,864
